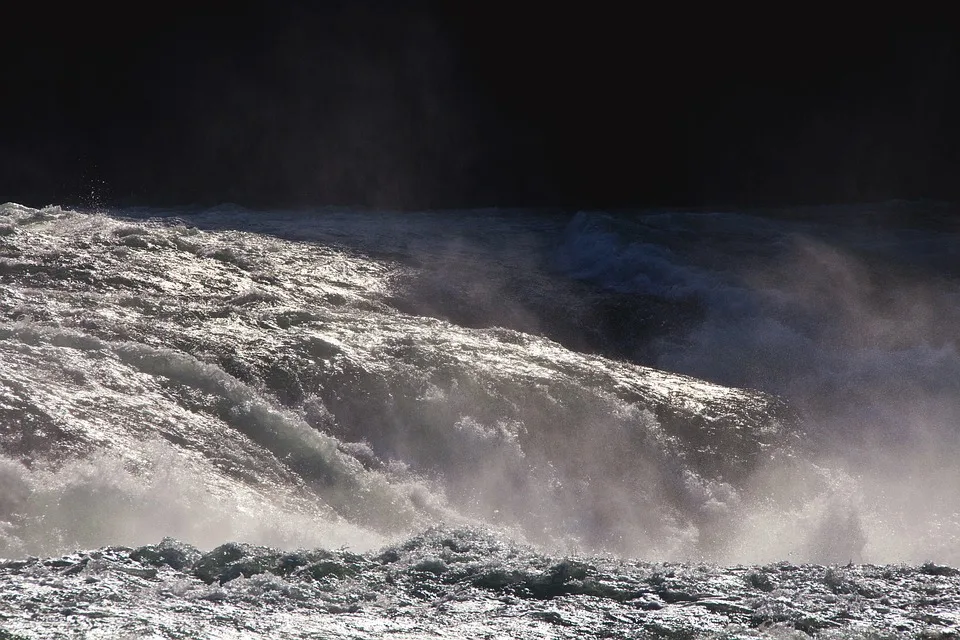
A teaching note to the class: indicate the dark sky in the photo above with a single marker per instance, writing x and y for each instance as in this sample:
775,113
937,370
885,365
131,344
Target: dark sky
444,104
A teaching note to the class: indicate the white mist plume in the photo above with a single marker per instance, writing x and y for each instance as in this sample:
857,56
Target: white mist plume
105,499
867,351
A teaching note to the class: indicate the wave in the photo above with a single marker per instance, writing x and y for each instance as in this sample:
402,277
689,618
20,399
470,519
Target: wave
850,314
288,380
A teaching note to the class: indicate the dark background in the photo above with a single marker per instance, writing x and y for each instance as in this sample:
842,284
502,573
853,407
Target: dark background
445,104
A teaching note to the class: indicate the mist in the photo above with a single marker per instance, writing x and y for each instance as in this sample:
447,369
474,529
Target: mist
851,317
104,499
862,341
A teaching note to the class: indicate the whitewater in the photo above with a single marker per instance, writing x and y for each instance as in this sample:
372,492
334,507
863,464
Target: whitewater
221,422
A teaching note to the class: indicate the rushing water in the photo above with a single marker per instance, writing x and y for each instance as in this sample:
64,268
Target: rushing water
669,386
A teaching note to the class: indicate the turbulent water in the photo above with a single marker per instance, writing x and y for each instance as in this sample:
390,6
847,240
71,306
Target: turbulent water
668,387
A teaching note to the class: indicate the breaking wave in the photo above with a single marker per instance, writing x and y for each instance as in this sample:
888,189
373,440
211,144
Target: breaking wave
341,378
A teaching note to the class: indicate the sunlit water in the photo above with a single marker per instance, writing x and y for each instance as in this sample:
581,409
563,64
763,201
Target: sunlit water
344,378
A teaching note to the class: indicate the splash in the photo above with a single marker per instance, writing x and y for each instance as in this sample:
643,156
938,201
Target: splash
296,370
